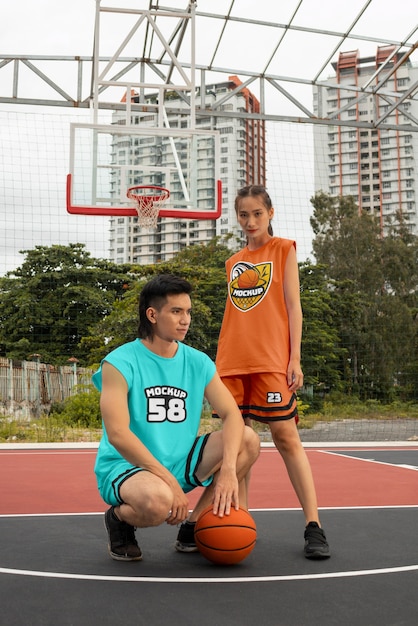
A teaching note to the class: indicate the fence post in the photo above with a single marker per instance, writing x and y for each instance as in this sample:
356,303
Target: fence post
37,384
10,391
74,361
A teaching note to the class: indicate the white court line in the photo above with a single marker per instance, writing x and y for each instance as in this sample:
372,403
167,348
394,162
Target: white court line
372,445
93,445
40,452
79,445
263,510
358,458
232,579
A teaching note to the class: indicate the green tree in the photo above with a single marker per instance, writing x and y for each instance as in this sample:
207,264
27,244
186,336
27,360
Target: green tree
400,262
53,298
374,288
321,349
347,243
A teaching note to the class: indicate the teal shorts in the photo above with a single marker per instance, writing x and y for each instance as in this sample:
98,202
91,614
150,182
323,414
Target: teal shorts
184,471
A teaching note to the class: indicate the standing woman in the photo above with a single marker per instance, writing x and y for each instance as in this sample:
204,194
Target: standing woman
259,346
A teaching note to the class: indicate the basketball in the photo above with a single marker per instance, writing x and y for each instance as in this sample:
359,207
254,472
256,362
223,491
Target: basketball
248,279
225,540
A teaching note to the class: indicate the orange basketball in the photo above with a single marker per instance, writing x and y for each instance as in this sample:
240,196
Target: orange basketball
248,279
225,540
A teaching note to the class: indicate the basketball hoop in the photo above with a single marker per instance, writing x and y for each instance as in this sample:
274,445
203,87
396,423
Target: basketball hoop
149,199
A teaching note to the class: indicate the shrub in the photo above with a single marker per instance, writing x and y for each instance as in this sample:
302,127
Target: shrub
81,409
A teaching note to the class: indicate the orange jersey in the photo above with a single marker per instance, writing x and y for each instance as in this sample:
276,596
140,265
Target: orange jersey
254,335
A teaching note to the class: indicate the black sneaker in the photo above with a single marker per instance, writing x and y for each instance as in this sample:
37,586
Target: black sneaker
185,538
122,543
316,545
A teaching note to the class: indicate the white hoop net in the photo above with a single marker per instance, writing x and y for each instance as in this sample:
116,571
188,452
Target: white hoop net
149,201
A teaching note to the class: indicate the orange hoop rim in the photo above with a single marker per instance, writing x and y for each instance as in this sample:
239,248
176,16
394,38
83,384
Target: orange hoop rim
148,206
161,197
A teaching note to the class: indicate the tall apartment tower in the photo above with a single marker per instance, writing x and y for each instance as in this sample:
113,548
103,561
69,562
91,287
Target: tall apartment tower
242,162
377,166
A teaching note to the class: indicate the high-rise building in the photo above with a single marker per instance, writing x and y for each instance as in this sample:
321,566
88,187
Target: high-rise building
242,161
376,165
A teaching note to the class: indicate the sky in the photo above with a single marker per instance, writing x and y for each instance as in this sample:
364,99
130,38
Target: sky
32,176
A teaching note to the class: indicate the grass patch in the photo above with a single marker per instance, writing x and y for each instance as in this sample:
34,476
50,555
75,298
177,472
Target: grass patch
44,430
356,410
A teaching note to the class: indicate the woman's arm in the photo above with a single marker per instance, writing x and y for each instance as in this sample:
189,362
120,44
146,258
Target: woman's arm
291,287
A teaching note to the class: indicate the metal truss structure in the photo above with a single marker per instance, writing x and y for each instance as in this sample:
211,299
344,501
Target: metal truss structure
274,47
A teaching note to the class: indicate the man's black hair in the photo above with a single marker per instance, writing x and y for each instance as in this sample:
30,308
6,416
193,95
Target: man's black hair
154,294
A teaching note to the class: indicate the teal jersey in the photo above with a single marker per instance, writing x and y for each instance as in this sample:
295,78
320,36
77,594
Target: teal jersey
165,398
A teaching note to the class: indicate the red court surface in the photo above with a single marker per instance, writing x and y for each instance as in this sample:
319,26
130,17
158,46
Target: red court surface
61,480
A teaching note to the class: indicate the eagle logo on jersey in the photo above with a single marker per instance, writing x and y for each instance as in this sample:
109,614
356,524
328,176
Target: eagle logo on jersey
249,284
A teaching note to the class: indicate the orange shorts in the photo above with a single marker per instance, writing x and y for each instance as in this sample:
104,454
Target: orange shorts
264,397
